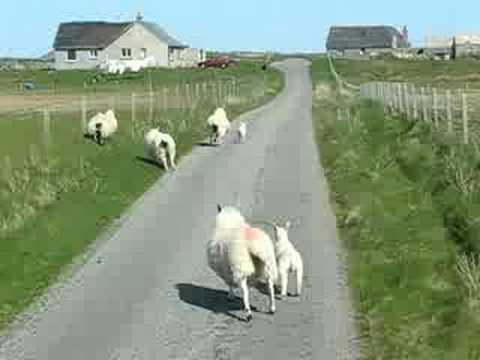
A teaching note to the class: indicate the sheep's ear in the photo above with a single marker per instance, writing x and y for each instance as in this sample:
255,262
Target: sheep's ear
287,224
219,208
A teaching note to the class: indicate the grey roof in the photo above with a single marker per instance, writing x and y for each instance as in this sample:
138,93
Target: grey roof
162,35
100,34
90,34
358,37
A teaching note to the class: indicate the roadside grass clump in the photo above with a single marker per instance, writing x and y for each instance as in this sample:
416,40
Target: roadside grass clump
57,198
393,195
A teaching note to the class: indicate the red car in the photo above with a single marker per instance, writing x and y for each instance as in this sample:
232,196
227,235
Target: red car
218,61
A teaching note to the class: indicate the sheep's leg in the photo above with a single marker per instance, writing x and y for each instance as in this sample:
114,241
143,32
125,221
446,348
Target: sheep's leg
246,300
272,296
163,159
231,294
283,274
299,274
172,159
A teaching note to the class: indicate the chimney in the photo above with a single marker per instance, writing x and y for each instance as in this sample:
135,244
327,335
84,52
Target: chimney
139,17
405,33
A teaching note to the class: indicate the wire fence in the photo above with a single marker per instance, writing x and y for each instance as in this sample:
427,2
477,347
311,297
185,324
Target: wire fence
454,111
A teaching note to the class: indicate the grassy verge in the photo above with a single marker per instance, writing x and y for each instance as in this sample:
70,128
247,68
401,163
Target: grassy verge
401,211
55,200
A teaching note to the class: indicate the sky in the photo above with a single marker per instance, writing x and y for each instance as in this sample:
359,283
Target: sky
28,27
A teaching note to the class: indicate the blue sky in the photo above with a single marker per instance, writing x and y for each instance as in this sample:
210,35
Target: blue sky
28,26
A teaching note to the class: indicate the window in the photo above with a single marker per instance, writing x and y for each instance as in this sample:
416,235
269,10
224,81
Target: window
71,55
126,53
170,54
93,54
143,53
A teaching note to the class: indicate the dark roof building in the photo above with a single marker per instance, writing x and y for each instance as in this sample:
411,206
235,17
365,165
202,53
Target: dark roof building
100,34
366,37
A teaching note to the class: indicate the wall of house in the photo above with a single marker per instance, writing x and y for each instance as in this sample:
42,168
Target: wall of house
187,57
135,39
83,61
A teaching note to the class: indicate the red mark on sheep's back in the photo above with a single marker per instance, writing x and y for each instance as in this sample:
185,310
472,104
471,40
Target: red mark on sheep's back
251,233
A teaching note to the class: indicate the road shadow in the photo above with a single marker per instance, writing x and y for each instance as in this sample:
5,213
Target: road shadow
213,300
148,161
206,144
91,138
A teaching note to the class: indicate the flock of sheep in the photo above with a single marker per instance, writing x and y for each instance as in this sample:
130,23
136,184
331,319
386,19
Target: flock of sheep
237,252
161,146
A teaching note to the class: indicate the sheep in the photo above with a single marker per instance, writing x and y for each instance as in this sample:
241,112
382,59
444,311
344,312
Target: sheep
288,258
159,145
102,126
242,132
238,252
219,125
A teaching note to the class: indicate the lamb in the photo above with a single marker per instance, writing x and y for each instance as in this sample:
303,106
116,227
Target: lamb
288,260
159,145
102,126
242,132
238,252
219,125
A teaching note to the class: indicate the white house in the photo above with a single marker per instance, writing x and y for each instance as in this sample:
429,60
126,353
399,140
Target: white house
86,45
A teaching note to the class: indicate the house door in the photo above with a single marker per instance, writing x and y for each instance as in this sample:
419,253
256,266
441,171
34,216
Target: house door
143,53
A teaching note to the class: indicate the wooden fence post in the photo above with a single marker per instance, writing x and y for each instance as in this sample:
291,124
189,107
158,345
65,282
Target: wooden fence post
435,106
415,102
399,94
407,100
424,105
112,103
465,117
133,115
46,128
449,112
84,114
164,98
150,107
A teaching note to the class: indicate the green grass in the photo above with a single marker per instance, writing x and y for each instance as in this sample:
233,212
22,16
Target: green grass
55,201
403,219
73,81
443,74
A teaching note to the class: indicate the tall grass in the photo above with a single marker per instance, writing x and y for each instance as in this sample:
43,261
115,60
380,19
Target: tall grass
406,204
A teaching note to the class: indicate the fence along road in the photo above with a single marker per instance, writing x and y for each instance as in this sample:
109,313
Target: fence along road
147,292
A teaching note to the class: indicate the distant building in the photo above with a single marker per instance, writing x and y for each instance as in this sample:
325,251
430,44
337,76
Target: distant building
85,45
345,40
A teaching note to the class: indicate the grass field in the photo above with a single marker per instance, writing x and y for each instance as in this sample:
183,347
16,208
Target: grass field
406,204
82,81
56,199
444,74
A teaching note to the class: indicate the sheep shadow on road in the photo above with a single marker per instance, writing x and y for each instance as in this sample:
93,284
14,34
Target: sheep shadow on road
148,161
213,300
206,144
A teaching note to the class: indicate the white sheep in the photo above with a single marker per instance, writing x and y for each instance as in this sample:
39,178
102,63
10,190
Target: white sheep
288,258
242,132
219,125
102,126
238,252
159,145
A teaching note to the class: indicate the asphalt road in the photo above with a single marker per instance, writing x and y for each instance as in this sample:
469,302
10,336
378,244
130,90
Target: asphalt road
146,292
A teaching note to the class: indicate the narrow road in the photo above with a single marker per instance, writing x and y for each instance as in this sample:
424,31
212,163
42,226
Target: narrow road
147,293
